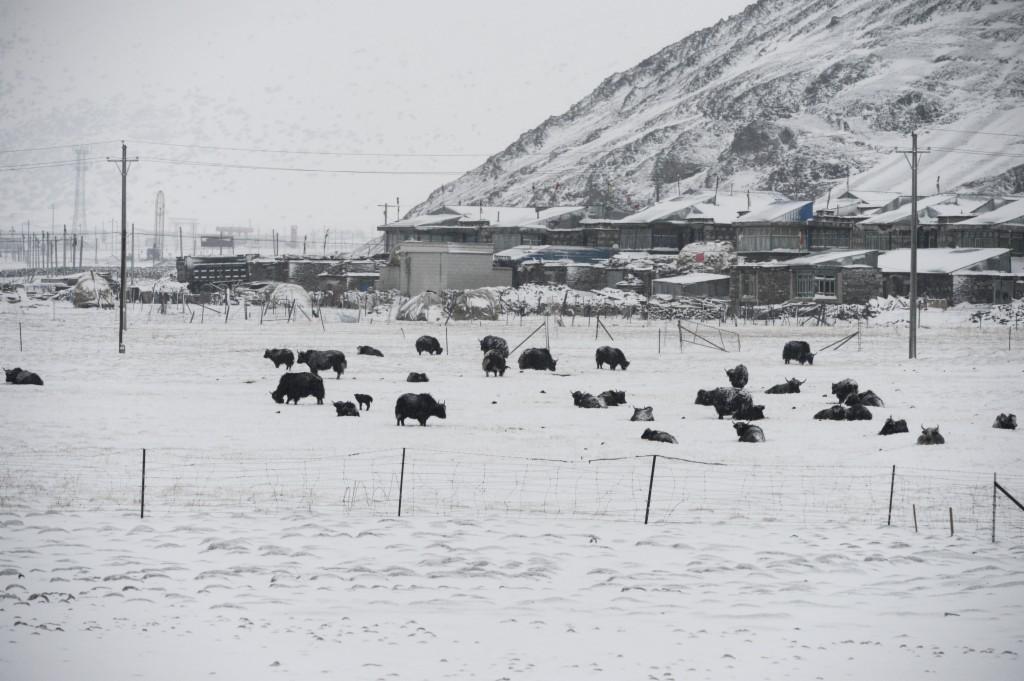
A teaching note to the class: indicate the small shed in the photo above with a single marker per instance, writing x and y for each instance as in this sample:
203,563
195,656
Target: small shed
706,284
957,275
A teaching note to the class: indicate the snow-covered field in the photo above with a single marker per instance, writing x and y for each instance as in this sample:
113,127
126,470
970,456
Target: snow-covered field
271,546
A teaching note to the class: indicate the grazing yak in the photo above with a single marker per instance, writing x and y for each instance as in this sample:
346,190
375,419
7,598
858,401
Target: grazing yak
891,427
836,412
293,387
844,388
587,401
738,376
280,356
367,350
866,398
642,414
792,385
725,400
488,343
322,360
798,350
613,357
364,399
19,376
345,409
428,344
748,432
658,436
415,377
1007,421
752,412
930,436
537,358
419,407
613,398
494,362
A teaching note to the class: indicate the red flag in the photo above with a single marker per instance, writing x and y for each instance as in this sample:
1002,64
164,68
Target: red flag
699,257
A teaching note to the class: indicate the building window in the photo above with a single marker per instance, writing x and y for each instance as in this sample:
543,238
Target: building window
825,286
805,285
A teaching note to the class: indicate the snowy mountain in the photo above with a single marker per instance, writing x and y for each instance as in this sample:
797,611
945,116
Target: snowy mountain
790,96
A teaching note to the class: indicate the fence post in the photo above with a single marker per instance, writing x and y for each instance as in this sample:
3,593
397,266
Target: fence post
21,346
142,499
994,489
914,506
446,339
659,341
650,488
892,487
401,483
950,521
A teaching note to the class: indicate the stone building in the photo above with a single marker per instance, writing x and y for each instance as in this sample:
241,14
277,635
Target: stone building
955,275
829,277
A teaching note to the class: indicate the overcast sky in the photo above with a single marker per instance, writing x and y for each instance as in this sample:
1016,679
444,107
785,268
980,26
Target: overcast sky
444,77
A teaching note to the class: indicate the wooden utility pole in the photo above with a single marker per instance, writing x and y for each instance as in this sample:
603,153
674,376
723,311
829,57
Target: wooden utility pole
124,235
913,160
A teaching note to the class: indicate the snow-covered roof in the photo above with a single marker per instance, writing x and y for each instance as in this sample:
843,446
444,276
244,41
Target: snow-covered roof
580,254
902,214
788,211
726,208
842,257
1011,212
937,260
536,219
692,278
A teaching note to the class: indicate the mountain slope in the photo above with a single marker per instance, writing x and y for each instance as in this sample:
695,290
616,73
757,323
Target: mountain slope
787,95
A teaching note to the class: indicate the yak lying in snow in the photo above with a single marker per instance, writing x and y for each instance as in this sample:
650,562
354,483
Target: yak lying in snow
738,376
748,432
419,407
613,357
322,360
367,350
751,412
642,414
658,436
836,412
494,362
587,401
537,358
790,386
293,387
364,399
891,427
725,400
799,351
930,436
844,388
1007,421
345,409
428,344
280,356
613,398
858,412
19,376
497,343
415,377
868,398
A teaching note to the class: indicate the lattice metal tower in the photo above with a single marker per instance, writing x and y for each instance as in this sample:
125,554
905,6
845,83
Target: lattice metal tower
78,224
158,227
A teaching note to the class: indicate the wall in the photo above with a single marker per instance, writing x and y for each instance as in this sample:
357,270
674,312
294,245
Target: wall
858,285
928,285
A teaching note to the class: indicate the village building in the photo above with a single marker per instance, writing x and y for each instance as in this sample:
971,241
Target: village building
890,228
953,275
850,276
695,284
419,266
998,224
776,230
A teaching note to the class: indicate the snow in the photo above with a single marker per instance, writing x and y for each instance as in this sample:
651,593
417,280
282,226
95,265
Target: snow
693,278
271,546
1011,212
940,260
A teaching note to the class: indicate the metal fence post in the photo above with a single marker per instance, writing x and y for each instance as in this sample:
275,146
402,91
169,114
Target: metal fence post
401,483
994,489
892,487
650,488
142,499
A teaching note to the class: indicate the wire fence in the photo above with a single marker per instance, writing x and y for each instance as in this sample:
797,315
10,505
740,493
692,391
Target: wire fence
425,482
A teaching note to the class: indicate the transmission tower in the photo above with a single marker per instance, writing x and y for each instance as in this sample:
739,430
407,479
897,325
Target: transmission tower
78,224
158,228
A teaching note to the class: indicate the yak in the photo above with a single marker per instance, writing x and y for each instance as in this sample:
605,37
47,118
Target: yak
322,360
613,357
891,427
494,362
867,398
587,401
858,412
751,412
345,409
416,377
419,407
537,358
790,386
724,400
19,376
930,436
642,414
834,413
280,356
658,436
1007,421
738,376
293,387
364,399
748,432
798,350
488,343
844,388
367,350
613,398
428,344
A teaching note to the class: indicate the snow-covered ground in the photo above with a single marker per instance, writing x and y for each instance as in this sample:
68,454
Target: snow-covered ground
271,546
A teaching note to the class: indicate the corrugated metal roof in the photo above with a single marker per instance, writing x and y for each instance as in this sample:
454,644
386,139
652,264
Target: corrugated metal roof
692,278
1011,212
937,260
776,211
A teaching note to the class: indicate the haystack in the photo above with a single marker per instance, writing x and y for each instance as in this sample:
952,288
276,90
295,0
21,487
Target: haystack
92,291
425,307
477,303
285,296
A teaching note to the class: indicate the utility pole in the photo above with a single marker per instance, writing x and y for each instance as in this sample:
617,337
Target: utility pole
326,232
913,160
386,206
124,235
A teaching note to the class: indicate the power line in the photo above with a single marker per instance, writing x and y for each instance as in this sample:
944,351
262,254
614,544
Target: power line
312,153
973,132
47,164
212,164
59,146
976,152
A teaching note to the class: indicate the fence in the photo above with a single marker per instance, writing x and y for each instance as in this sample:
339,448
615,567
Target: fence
447,483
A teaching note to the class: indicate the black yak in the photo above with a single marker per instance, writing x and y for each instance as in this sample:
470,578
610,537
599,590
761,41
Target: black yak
834,413
891,427
280,356
798,350
738,376
724,400
428,344
322,360
364,399
844,388
19,376
293,387
792,385
930,436
658,436
1007,421
537,358
587,401
419,407
494,363
858,412
367,350
613,357
751,412
497,343
613,398
642,414
345,409
867,398
748,432
416,377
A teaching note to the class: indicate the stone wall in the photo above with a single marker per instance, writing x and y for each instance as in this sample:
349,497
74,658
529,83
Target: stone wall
858,285
773,285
